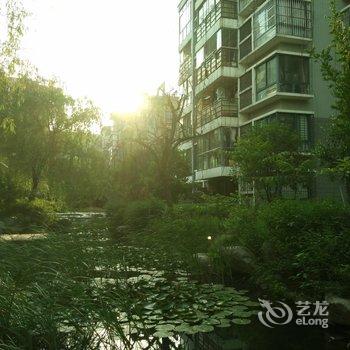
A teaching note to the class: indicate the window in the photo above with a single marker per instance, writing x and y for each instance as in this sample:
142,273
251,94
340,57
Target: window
205,9
266,78
300,123
283,73
200,57
294,74
265,24
229,37
185,21
294,17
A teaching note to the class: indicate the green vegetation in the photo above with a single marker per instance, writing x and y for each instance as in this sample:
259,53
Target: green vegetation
142,278
335,67
301,247
271,158
73,291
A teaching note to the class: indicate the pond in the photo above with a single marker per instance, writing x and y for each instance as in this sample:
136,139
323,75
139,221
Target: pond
77,287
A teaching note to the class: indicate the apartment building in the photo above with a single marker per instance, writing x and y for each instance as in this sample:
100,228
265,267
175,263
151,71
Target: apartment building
246,62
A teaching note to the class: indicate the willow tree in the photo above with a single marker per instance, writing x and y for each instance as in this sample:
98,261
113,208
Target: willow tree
335,66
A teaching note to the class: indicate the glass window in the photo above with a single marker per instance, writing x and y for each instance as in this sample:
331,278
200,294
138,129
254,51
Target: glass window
229,37
266,78
185,21
211,45
200,57
294,74
260,78
264,24
294,17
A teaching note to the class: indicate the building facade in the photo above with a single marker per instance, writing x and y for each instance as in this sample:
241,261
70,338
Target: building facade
245,62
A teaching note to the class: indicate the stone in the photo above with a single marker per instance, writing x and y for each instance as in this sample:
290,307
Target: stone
240,258
339,310
203,259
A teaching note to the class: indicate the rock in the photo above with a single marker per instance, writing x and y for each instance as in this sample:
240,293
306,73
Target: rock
339,310
203,259
241,259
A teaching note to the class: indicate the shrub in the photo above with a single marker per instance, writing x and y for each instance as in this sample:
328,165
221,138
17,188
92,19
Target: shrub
217,206
137,214
310,241
9,192
303,247
38,212
184,236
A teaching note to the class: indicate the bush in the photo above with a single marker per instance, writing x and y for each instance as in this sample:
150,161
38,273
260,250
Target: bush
184,236
38,212
9,192
217,206
137,214
303,248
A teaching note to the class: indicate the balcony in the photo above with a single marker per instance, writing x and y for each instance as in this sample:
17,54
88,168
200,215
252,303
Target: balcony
213,159
276,22
246,7
282,76
224,57
185,70
218,109
223,9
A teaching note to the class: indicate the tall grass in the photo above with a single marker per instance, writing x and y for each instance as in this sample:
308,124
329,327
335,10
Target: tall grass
64,292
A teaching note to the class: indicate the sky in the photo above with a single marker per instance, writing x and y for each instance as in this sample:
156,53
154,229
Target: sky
111,51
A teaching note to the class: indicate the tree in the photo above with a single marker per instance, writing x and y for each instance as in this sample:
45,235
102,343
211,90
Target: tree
335,68
44,116
269,157
81,175
158,132
13,14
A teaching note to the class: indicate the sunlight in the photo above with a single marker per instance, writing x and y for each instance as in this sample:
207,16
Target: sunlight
111,62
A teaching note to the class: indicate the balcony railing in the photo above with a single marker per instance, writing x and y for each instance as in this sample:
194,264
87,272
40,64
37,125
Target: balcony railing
224,57
223,9
185,71
220,108
245,4
290,18
214,158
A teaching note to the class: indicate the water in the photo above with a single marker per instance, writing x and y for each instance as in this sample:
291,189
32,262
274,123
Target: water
251,337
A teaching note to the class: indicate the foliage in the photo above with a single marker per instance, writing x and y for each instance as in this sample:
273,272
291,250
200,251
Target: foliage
214,205
72,290
302,247
183,236
335,67
151,163
37,212
136,214
139,213
42,124
269,157
82,177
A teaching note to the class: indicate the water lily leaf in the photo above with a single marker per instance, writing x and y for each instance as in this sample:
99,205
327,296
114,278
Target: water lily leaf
224,324
252,303
165,327
212,321
163,334
184,328
241,321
